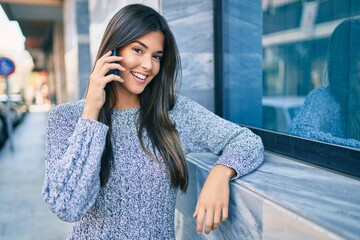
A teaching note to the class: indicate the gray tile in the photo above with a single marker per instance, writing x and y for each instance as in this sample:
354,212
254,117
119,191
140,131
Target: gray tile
204,97
197,71
285,199
82,17
242,27
279,223
246,10
317,194
191,23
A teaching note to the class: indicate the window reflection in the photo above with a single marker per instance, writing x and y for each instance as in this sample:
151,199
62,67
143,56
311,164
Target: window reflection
311,69
331,113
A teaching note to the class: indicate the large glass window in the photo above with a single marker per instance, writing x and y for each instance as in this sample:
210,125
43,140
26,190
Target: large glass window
311,73
292,67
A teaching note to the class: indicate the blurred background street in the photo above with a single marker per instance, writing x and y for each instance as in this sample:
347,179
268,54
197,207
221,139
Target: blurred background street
23,213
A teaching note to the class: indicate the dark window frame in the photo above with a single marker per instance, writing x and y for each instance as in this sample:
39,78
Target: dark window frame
336,158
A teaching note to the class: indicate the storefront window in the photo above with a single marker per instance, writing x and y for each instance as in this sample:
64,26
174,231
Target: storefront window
291,68
311,71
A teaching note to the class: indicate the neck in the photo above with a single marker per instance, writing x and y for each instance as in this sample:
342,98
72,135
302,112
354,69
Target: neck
125,105
124,100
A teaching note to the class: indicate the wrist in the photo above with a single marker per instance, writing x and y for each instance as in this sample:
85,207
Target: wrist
90,113
224,171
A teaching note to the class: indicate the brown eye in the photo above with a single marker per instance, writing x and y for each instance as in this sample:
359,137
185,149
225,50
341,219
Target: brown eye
157,58
137,50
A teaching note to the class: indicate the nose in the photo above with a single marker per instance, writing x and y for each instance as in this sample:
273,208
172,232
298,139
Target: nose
147,63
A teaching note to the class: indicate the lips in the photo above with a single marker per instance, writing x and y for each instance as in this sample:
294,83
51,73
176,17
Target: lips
139,76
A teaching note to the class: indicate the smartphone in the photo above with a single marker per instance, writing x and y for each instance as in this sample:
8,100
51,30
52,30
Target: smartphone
113,71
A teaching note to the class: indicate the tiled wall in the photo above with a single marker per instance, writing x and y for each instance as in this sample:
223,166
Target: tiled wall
242,67
77,52
82,26
192,25
71,50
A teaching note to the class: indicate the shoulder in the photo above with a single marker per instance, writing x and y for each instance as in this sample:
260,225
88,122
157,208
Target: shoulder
321,93
319,105
66,111
185,104
188,111
320,96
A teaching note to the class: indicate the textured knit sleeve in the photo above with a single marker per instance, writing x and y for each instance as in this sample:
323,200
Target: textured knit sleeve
202,131
319,119
74,147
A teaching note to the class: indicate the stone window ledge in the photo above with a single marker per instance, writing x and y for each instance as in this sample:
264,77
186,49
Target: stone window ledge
283,199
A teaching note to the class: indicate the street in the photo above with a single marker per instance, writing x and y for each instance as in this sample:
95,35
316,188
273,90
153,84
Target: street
23,213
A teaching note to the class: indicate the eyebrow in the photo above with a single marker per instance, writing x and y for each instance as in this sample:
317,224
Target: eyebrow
144,45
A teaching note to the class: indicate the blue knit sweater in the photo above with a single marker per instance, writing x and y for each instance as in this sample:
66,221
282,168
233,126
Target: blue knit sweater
320,119
138,201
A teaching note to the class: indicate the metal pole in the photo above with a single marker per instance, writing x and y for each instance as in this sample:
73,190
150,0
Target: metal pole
8,112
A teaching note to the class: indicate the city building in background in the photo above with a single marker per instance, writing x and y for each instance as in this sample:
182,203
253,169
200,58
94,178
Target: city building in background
12,45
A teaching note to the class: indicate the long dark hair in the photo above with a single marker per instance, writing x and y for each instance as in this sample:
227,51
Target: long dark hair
158,98
343,73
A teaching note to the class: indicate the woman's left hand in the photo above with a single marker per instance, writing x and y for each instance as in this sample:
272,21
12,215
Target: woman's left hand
213,202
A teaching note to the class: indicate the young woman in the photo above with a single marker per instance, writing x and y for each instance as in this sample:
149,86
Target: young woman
115,160
332,113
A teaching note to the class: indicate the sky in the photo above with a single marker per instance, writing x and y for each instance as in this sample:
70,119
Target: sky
3,15
12,39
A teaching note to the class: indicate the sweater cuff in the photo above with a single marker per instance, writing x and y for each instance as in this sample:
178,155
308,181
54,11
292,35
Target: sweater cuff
235,162
92,129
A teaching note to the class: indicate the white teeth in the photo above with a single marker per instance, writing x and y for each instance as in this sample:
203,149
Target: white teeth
139,75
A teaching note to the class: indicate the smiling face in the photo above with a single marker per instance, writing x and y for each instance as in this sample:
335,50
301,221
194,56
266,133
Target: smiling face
141,59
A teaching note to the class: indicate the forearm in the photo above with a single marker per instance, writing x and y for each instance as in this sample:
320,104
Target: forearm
72,172
222,172
90,113
243,153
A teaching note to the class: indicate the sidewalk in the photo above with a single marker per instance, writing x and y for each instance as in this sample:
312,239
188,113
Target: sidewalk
23,213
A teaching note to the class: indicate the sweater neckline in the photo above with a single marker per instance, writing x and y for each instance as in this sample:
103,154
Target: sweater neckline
119,110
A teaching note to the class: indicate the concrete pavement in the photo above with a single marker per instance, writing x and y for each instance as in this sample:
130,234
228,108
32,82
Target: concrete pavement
23,213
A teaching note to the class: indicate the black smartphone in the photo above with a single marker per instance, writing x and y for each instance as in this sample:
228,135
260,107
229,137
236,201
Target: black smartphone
113,71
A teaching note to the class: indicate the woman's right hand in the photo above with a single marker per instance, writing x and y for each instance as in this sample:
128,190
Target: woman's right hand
95,97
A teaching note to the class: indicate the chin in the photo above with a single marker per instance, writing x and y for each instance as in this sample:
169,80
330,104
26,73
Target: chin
137,91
